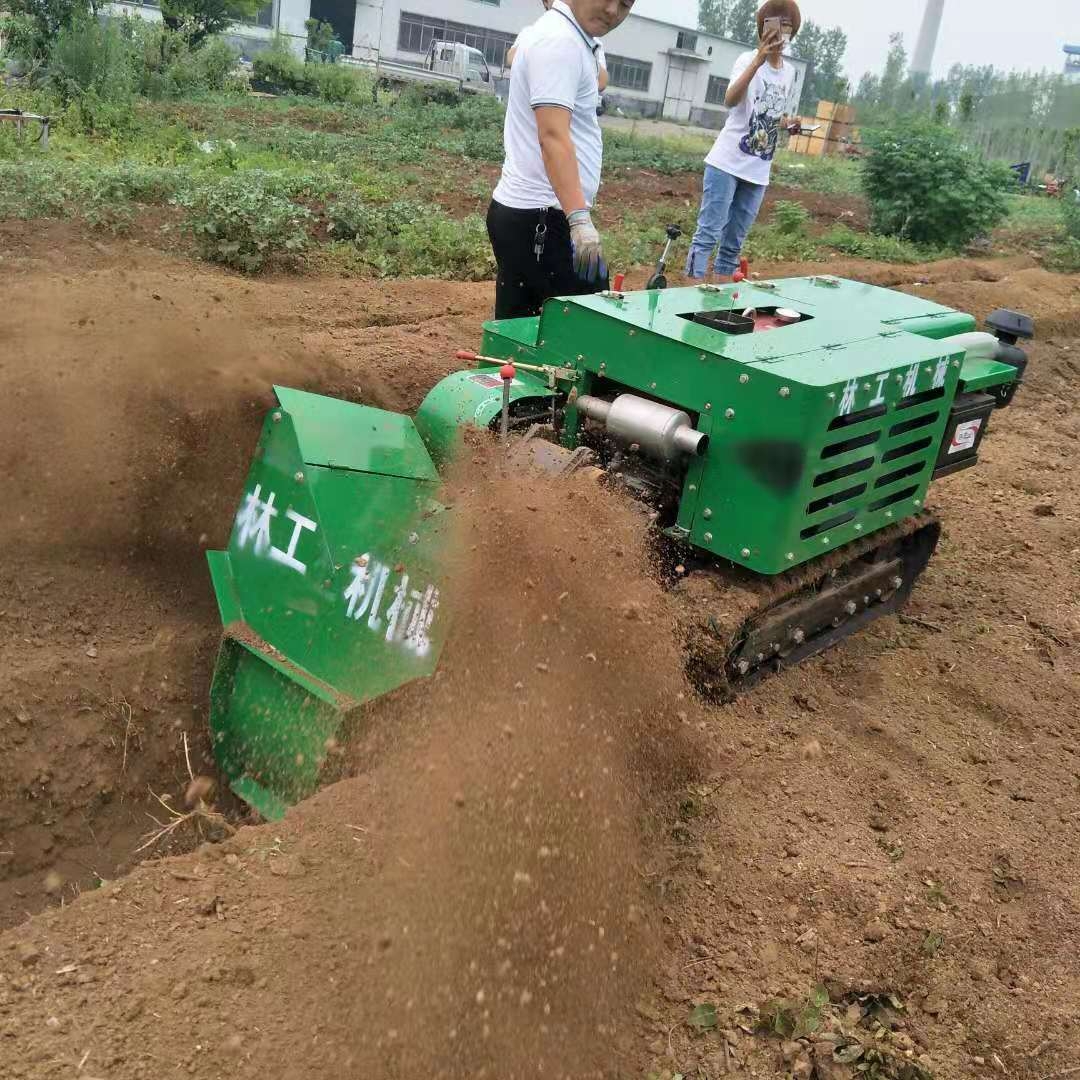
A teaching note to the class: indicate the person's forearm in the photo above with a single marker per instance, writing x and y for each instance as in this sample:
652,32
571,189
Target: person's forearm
560,161
737,90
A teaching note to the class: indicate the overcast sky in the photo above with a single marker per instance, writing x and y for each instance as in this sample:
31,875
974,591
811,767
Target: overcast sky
1010,34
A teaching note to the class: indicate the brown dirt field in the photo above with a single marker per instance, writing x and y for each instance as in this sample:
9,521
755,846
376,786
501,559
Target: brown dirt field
465,189
534,872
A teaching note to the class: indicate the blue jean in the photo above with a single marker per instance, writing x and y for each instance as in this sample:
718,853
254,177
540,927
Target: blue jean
729,207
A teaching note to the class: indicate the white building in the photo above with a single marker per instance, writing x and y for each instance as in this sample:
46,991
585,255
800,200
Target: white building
656,68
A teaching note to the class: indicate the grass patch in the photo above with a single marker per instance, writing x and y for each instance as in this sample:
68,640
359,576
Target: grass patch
1064,257
827,175
879,248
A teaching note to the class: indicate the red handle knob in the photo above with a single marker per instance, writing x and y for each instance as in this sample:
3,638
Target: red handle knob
464,354
507,372
617,284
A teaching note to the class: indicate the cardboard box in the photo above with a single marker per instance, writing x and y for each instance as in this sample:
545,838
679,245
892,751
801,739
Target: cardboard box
831,112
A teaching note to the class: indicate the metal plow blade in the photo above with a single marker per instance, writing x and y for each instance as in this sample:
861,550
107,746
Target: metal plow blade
328,592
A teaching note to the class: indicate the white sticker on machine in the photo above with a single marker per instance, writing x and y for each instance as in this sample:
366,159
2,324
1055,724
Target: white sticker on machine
965,436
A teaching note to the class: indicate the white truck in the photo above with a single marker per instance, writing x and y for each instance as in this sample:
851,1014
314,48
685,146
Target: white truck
447,63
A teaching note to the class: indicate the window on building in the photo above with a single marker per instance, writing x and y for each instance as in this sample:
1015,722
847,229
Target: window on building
628,74
718,87
686,40
417,32
263,17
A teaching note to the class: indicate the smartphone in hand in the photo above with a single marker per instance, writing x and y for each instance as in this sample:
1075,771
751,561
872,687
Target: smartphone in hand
773,28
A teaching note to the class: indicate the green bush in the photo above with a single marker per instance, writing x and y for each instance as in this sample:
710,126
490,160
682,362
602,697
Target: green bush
925,185
1070,211
90,67
22,41
407,238
336,82
166,67
38,22
243,222
419,95
1065,257
285,74
279,69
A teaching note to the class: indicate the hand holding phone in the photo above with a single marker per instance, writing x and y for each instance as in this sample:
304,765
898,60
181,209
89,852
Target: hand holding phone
771,39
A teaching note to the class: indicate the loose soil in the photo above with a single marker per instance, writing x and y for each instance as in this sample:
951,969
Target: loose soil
550,853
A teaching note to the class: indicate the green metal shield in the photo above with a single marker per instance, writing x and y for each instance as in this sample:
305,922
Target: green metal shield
329,590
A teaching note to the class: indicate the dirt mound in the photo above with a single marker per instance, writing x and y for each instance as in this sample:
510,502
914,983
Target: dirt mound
471,906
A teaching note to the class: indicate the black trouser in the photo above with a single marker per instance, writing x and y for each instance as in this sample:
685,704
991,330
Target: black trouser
526,279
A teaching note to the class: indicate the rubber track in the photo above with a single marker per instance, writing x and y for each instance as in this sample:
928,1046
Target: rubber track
717,603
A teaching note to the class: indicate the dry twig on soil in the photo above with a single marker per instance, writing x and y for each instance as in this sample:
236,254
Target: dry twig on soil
122,710
201,812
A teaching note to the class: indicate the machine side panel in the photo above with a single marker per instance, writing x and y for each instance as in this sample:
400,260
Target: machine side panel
805,469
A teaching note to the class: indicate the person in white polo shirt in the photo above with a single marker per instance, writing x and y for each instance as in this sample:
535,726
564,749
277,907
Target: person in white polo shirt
601,59
540,219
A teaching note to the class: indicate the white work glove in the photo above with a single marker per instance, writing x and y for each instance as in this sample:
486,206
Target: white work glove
588,252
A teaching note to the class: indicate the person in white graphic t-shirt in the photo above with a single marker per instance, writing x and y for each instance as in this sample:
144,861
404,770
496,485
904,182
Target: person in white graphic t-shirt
739,166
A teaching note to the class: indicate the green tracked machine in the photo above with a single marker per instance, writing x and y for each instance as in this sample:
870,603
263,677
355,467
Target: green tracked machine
783,435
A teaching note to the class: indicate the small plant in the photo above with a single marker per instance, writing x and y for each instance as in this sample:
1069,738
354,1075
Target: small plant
932,943
795,1019
924,184
935,894
893,847
241,222
703,1018
351,218
790,218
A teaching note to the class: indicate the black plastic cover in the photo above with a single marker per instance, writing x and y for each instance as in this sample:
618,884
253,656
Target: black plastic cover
1009,326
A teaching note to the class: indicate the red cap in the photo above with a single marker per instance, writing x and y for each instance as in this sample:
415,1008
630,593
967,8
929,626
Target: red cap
507,372
617,284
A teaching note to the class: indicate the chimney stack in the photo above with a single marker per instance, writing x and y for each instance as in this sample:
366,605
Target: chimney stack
928,35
